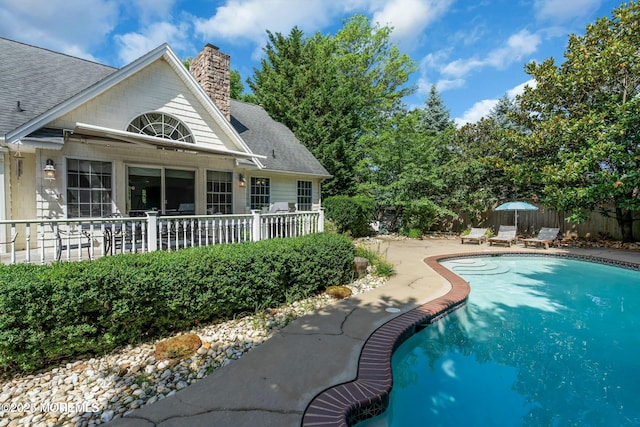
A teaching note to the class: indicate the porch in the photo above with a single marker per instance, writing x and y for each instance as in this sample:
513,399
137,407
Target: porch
46,240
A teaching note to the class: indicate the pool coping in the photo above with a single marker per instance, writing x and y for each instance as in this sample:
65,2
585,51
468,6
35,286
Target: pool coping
367,396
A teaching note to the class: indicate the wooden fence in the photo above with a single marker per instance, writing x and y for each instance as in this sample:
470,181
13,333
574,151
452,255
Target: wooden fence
529,222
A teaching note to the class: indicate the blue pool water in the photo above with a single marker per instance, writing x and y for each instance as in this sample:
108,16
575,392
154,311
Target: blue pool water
542,342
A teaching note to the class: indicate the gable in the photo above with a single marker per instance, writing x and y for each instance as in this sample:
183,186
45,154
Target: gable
159,66
154,88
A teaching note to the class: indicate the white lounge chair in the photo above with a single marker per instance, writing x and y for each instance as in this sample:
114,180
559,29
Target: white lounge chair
545,236
478,235
506,235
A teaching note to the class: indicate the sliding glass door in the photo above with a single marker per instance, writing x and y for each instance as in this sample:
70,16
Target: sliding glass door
180,190
168,191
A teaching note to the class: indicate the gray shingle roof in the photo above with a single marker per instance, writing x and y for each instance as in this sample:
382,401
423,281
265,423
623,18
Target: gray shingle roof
267,137
40,79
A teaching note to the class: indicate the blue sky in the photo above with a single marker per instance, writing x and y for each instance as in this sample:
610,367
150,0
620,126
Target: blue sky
474,51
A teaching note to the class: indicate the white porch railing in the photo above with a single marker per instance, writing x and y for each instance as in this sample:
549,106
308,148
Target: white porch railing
48,240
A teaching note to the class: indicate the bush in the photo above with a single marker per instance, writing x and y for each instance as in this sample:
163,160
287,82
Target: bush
412,233
351,215
418,216
380,266
69,309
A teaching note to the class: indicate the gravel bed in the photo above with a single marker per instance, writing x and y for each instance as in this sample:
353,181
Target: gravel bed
97,390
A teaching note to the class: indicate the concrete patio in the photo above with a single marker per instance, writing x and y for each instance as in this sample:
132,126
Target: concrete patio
273,384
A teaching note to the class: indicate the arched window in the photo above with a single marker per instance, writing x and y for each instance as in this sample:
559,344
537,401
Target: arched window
161,125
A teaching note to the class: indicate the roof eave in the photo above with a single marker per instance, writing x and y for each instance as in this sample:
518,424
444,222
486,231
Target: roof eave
87,94
103,132
162,51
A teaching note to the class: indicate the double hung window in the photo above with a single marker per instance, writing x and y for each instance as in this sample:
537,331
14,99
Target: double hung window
89,188
304,195
260,193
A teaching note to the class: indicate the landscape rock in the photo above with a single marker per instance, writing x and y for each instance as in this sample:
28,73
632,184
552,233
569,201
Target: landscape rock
179,347
101,389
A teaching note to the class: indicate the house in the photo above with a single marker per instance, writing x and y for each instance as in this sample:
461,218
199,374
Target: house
80,139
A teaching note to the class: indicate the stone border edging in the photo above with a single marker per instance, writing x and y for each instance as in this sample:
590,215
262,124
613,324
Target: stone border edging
367,396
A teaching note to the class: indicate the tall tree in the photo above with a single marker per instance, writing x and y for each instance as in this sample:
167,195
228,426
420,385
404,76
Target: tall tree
332,90
503,113
237,89
436,114
404,169
236,84
584,122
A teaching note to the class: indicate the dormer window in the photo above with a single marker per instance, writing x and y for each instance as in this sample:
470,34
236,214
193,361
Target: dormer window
161,125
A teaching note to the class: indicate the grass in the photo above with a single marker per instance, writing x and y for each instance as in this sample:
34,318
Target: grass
380,266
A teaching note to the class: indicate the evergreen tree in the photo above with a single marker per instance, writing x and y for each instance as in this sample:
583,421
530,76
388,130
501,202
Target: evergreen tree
503,113
330,91
436,116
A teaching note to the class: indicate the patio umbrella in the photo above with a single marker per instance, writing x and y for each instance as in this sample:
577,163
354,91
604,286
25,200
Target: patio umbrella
516,206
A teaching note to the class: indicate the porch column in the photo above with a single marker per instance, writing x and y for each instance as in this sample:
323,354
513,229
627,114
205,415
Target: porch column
255,230
321,221
152,231
3,198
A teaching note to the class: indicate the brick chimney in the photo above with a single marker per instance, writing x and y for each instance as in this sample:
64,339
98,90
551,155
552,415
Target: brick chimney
211,68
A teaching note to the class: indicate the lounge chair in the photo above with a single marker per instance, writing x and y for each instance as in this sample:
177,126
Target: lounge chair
478,235
545,237
506,234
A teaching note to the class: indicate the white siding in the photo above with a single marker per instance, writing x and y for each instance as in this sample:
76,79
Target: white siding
155,88
51,198
284,188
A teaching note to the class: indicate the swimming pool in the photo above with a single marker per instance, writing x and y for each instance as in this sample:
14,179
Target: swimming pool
542,341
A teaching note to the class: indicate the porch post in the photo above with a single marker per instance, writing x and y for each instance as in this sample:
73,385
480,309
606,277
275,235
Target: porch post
152,231
255,230
4,195
321,221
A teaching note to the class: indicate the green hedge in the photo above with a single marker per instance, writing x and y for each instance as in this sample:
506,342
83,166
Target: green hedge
352,215
68,309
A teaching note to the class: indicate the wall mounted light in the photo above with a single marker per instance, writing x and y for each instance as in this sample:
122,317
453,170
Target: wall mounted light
242,181
49,170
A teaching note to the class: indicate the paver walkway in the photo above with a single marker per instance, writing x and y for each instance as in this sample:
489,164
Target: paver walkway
273,383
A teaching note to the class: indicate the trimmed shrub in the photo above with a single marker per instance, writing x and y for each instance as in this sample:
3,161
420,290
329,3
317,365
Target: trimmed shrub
352,215
68,309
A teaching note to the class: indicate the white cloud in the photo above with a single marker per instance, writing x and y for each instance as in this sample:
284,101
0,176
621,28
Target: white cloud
517,47
448,84
69,26
479,110
483,108
149,11
134,45
462,67
248,20
562,11
519,90
410,17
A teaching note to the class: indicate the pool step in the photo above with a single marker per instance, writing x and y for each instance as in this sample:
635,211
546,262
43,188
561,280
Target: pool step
478,267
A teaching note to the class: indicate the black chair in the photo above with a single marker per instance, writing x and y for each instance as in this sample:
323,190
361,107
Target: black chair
71,239
122,236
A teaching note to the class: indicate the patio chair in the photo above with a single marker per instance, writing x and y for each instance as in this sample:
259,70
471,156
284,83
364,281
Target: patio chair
122,236
506,235
71,239
478,235
545,236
